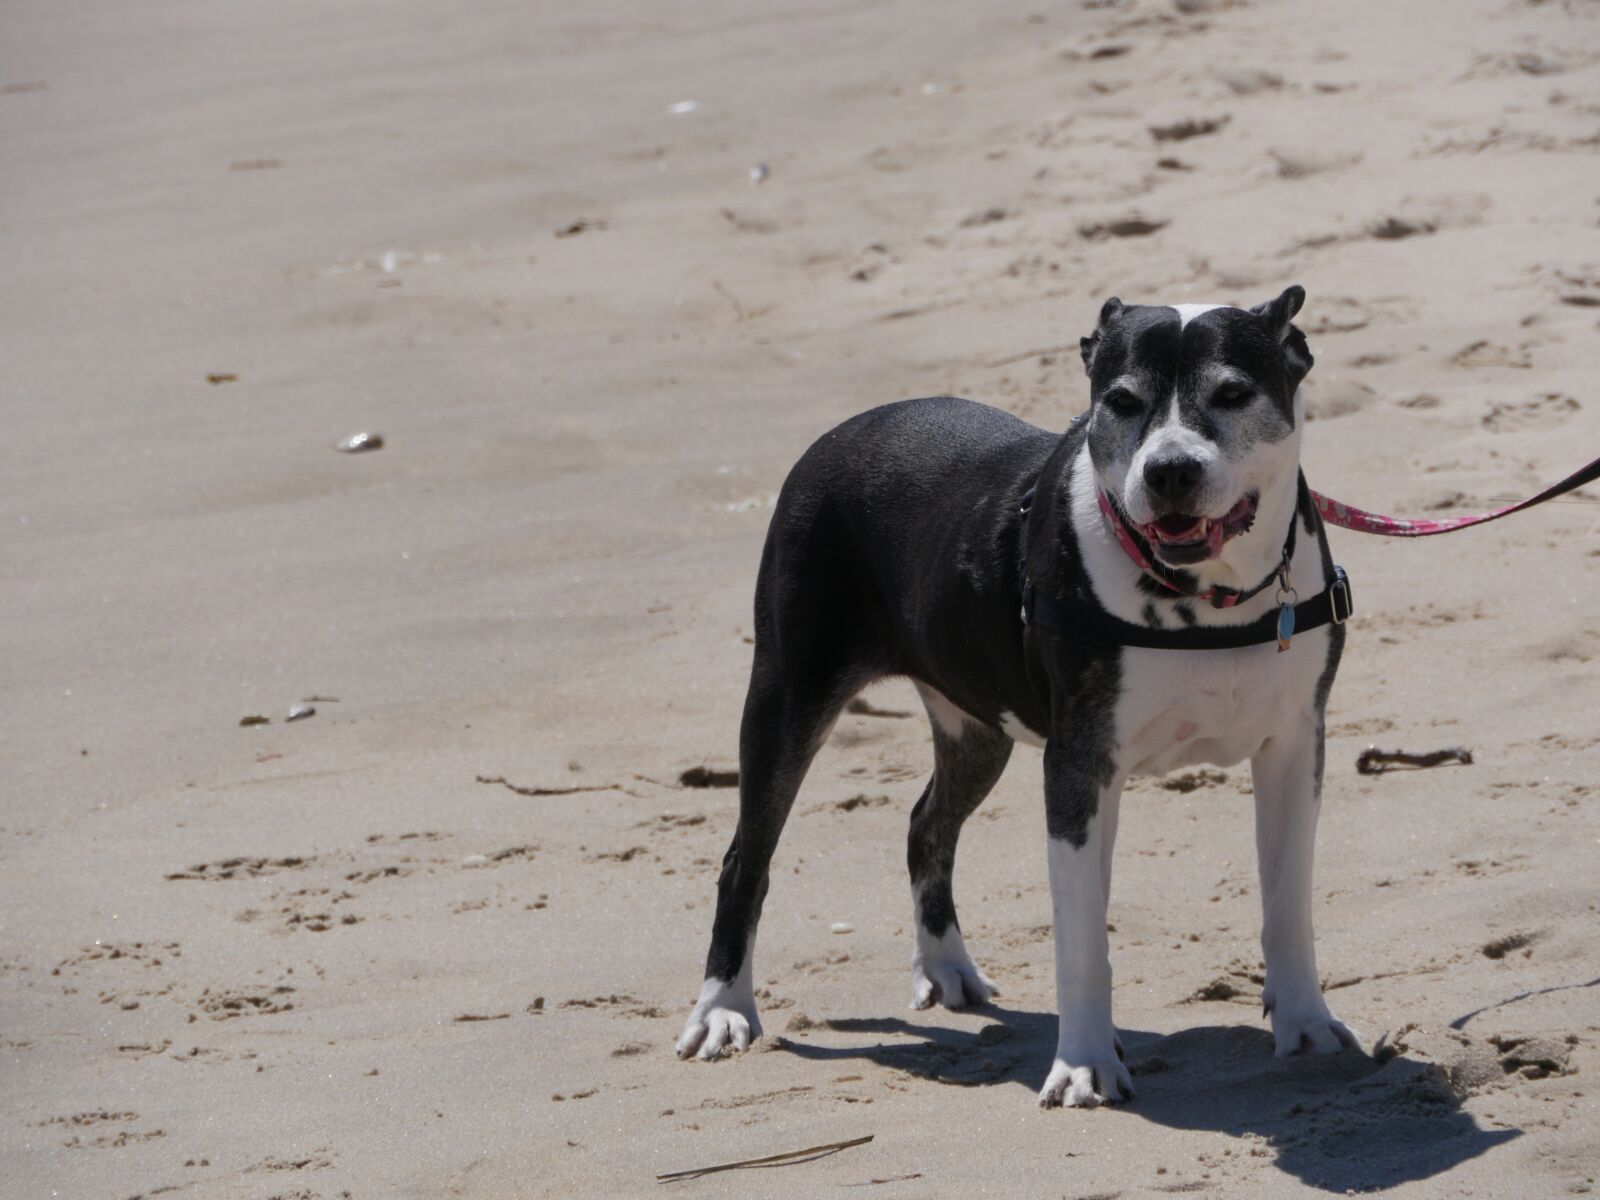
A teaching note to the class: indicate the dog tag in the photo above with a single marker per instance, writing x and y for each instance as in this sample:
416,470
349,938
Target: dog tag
1285,627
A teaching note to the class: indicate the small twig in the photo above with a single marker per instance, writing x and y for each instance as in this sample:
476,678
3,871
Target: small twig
1375,762
768,1161
549,791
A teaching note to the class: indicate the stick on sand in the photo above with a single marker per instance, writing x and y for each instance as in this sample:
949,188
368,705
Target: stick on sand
771,1160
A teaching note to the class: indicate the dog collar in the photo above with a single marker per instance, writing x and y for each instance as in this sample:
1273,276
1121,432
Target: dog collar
1137,549
1084,621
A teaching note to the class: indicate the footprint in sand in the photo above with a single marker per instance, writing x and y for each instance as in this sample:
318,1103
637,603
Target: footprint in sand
224,1005
1483,353
242,868
1550,409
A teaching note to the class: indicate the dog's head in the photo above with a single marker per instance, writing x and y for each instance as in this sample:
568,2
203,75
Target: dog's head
1193,416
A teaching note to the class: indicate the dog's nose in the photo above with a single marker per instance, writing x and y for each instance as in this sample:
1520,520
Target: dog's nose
1172,480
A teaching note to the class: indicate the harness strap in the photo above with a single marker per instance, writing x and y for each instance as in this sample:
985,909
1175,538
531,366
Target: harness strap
1076,619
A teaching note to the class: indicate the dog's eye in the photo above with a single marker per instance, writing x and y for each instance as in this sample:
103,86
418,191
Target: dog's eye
1232,395
1122,402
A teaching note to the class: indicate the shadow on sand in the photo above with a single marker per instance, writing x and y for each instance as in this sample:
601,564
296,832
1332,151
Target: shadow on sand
1334,1122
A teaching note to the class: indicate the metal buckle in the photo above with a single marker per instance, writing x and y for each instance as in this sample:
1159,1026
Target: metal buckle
1340,603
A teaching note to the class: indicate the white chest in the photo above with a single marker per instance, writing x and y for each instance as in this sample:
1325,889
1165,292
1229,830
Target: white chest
1178,708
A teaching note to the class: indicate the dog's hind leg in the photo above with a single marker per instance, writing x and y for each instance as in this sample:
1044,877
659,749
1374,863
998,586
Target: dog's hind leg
788,712
969,758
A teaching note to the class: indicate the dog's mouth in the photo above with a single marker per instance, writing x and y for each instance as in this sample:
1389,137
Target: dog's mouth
1185,539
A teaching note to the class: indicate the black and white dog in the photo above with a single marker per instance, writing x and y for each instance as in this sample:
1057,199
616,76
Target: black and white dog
1153,552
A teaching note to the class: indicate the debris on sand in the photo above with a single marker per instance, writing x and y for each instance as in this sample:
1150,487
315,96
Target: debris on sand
1217,989
1134,226
359,443
1191,781
709,777
300,712
254,719
861,800
1182,131
574,228
1501,946
1373,761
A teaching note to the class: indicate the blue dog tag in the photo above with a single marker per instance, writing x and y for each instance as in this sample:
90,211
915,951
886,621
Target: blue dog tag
1285,627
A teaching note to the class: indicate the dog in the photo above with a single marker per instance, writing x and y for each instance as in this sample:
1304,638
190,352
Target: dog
1089,593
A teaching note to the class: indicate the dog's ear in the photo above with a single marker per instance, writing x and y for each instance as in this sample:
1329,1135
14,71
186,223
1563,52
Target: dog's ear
1279,317
1109,312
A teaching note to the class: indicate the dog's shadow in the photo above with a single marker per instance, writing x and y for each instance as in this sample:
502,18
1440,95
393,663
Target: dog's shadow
1334,1122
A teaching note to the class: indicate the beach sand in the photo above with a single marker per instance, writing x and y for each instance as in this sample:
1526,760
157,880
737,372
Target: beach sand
438,938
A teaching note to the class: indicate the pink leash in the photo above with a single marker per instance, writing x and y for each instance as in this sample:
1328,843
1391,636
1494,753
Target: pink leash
1347,516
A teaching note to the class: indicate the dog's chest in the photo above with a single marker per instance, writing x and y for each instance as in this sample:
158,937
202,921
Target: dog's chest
1178,708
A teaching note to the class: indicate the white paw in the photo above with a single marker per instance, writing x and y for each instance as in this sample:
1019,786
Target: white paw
1309,1028
723,1021
942,972
1087,1084
717,1032
954,983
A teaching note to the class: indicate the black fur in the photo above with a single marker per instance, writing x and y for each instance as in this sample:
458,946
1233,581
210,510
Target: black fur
965,769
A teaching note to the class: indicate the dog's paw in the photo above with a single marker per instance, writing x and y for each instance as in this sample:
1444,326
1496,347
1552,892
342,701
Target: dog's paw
721,1023
1085,1085
716,1032
1309,1029
942,972
952,982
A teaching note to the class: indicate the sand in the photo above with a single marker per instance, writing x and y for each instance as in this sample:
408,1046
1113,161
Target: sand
438,938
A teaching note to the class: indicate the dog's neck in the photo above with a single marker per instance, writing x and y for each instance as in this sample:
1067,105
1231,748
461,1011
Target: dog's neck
1245,562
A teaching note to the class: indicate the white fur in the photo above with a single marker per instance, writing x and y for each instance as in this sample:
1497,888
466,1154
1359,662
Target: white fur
724,1018
1188,312
1087,1068
1011,725
942,972
944,713
1286,827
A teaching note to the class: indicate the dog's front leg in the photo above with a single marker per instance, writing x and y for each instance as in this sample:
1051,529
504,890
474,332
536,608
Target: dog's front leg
1082,793
1288,786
